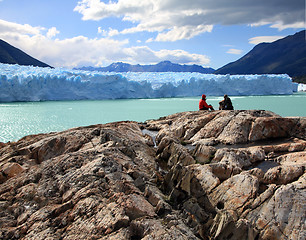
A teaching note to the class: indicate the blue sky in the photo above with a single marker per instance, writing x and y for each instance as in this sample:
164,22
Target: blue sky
66,33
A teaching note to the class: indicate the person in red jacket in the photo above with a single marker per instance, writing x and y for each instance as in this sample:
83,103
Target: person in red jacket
203,105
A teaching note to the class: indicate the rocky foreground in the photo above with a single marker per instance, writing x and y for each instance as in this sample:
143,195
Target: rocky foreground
192,175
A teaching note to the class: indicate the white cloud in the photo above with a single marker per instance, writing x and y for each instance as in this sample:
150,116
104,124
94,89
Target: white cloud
179,33
145,55
52,32
7,27
280,26
149,16
102,31
259,24
110,33
80,50
175,19
261,39
183,57
234,51
149,40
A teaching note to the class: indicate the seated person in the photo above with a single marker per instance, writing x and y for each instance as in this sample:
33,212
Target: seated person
226,104
203,105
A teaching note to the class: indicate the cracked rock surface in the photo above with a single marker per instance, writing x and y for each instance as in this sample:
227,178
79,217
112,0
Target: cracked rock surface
191,175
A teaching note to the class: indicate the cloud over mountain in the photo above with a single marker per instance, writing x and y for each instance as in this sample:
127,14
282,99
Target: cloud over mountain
81,50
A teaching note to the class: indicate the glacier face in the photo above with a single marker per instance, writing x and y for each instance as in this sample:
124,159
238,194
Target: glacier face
26,83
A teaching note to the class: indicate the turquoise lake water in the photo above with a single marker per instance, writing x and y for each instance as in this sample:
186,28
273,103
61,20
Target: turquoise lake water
19,119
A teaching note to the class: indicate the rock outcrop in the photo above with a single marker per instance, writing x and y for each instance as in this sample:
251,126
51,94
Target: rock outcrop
191,175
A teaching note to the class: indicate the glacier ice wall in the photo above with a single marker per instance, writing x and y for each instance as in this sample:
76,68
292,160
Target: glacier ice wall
301,87
25,83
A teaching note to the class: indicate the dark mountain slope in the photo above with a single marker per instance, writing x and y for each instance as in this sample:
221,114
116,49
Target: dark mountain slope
287,55
12,55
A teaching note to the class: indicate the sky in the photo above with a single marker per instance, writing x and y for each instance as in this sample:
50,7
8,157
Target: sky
211,33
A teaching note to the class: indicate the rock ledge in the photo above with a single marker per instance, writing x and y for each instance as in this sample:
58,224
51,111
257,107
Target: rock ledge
191,175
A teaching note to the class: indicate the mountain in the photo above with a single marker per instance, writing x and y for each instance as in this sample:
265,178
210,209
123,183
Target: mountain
286,55
165,66
12,55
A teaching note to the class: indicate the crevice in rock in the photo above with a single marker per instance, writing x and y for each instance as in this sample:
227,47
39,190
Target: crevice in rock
220,205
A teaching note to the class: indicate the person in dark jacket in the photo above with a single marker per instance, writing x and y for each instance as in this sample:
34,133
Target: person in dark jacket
226,104
203,105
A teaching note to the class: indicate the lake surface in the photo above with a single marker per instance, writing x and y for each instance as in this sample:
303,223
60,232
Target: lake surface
23,118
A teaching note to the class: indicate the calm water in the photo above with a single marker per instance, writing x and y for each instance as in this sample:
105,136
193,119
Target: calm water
20,119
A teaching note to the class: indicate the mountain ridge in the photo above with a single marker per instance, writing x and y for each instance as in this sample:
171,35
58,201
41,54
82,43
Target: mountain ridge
12,55
283,56
164,66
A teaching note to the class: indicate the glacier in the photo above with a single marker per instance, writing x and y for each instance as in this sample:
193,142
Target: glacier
27,83
301,87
